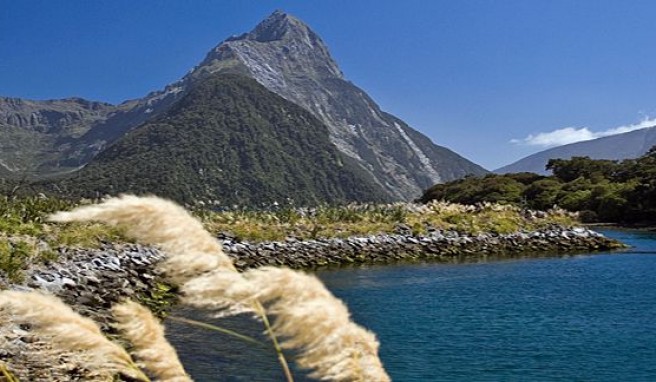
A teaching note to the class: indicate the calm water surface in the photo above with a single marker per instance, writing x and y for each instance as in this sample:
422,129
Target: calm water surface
575,318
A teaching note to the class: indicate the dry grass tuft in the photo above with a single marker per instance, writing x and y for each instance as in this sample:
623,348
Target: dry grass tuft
307,316
223,291
138,325
190,248
49,318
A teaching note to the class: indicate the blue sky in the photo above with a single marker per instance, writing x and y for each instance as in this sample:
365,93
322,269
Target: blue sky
492,80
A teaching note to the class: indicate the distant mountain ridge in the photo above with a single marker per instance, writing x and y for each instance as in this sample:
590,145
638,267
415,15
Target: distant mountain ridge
287,57
35,132
617,147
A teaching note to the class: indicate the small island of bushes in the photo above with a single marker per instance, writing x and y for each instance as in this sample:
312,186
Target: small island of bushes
606,191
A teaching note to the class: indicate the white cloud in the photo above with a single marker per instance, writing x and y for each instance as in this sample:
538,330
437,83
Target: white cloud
573,134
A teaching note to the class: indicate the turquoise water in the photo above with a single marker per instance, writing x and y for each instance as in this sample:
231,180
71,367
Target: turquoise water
574,318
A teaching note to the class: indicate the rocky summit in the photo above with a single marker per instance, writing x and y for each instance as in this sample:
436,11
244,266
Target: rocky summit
287,57
284,55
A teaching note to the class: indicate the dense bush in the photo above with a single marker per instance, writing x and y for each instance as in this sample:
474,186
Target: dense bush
603,190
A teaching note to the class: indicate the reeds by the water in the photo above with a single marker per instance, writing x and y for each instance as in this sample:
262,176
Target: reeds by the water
138,325
190,249
50,319
307,317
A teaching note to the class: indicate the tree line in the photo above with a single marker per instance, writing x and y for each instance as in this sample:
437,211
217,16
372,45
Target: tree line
601,190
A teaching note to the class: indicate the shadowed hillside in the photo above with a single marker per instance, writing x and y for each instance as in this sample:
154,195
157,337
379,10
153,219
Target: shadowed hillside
228,141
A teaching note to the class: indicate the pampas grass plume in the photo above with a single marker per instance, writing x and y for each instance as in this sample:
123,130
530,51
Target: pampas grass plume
151,349
222,290
307,316
190,248
69,332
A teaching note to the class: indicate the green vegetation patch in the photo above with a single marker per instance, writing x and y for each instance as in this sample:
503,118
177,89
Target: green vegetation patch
26,238
26,216
600,190
229,141
16,255
362,220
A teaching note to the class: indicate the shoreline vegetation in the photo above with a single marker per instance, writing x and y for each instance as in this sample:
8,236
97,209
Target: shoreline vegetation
600,190
93,266
27,239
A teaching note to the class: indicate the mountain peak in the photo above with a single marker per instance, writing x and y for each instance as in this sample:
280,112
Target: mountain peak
281,26
280,41
287,57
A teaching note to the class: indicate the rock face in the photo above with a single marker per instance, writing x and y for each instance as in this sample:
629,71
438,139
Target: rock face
288,58
621,146
437,246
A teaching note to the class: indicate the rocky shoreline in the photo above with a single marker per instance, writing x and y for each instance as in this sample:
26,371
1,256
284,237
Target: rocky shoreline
93,280
437,245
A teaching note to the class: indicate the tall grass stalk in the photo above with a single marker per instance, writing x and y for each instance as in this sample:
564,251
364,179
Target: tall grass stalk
191,250
138,325
8,375
306,314
49,318
262,314
215,328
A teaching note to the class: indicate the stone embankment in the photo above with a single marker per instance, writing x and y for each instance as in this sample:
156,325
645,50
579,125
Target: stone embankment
100,277
93,280
437,245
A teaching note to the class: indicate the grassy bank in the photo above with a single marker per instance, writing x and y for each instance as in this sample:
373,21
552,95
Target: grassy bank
27,238
362,220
